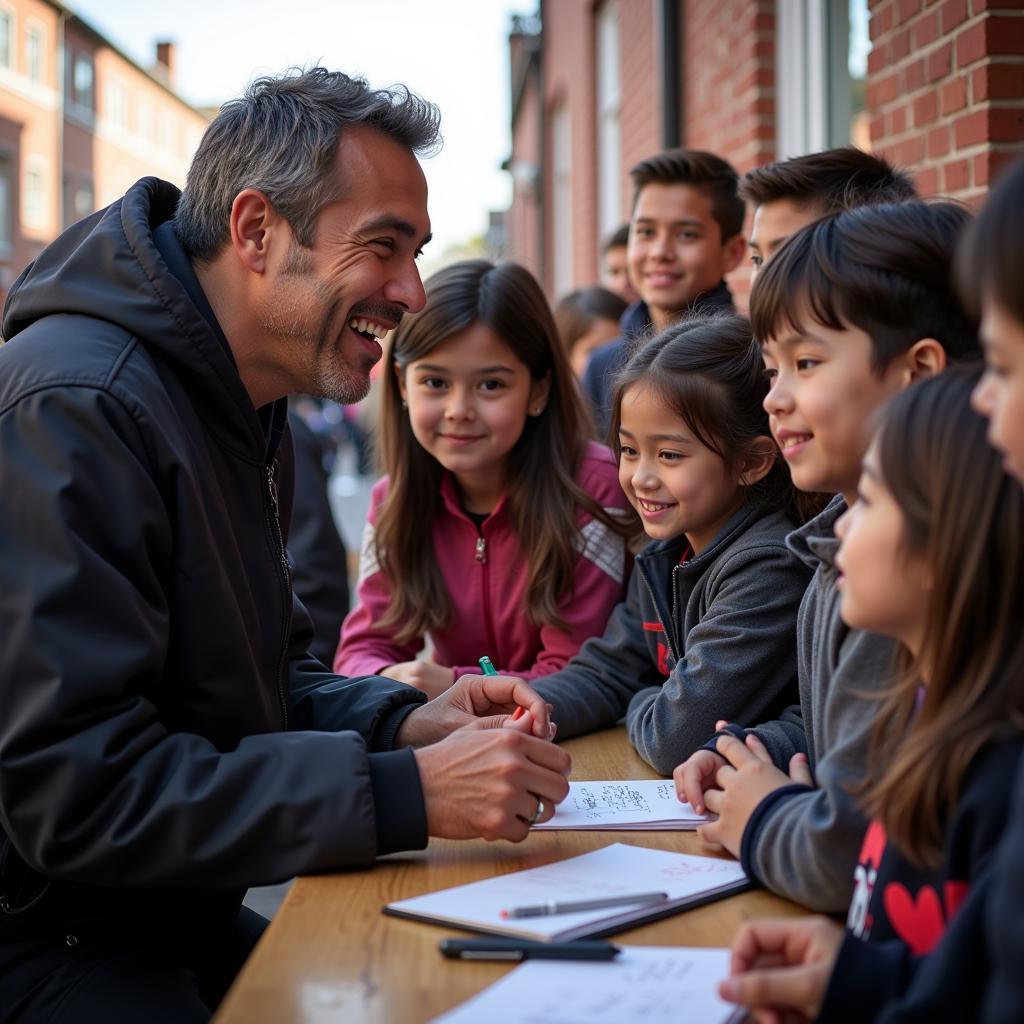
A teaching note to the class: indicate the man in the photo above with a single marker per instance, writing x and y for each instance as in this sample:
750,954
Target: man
791,194
165,741
685,235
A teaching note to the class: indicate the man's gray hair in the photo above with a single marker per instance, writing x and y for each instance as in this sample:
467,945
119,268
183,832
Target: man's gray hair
282,138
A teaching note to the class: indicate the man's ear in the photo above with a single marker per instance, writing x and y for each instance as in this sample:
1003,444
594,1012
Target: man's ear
925,358
733,251
252,222
759,460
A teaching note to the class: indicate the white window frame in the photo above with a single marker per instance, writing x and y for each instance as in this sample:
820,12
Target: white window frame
561,201
35,29
33,216
609,135
12,37
7,212
812,87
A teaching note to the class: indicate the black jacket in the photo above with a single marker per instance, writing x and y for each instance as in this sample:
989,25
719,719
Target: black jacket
162,732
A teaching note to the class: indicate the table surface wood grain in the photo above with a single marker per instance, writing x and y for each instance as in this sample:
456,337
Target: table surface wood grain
330,955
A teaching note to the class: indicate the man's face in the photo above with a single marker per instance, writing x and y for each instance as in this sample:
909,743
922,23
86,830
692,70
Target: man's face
616,273
774,223
676,251
325,307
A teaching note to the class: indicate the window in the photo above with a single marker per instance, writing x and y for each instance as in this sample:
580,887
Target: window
84,204
33,205
6,39
35,55
82,82
561,137
821,53
167,129
609,149
115,104
144,120
6,212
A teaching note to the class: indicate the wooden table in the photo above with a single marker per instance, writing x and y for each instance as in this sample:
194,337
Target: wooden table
330,954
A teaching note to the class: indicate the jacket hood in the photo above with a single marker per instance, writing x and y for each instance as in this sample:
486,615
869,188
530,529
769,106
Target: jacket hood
815,543
108,266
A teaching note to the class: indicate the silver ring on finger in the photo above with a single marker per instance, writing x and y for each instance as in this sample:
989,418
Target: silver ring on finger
537,813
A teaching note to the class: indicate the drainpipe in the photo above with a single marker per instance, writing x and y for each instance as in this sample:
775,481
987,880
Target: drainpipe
669,73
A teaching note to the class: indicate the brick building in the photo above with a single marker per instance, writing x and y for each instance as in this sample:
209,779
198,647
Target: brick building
935,85
79,122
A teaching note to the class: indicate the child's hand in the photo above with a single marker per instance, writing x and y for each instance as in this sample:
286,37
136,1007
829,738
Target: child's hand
747,778
522,721
696,775
432,679
781,965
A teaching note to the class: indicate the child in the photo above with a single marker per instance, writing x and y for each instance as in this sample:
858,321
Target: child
615,271
850,311
586,319
685,235
497,529
709,619
943,578
789,195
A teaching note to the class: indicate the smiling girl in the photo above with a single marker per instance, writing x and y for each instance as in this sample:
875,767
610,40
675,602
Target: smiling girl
497,530
708,627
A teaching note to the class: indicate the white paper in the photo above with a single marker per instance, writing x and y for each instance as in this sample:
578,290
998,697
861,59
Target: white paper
643,984
638,805
618,869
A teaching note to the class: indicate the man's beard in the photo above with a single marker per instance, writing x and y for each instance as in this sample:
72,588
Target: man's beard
290,317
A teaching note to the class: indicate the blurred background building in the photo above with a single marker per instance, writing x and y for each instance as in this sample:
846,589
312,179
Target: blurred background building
936,86
80,121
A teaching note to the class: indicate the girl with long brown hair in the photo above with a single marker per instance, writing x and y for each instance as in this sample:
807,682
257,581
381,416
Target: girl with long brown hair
932,554
498,528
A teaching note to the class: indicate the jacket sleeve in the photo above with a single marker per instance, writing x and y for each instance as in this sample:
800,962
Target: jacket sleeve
595,688
739,659
366,648
802,843
94,787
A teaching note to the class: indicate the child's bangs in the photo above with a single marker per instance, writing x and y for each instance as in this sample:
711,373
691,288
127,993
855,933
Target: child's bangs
797,285
699,401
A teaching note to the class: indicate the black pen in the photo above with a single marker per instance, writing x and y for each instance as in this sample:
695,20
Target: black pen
518,949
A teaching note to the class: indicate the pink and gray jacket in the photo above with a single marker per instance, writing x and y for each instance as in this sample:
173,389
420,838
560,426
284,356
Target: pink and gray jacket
485,571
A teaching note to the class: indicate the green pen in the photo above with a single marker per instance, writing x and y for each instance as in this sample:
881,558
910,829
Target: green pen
489,669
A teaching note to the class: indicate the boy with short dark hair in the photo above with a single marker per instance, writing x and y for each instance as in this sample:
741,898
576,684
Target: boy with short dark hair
854,309
615,270
685,235
790,194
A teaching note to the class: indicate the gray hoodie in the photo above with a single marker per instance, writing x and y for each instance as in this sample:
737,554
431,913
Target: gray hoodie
803,842
709,638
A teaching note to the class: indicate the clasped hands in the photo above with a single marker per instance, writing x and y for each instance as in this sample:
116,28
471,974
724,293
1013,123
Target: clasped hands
731,783
483,772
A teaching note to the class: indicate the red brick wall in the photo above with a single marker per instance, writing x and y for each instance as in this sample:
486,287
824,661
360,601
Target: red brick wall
946,89
640,110
729,79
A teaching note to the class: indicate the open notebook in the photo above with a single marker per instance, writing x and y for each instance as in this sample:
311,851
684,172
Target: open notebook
653,984
616,870
626,806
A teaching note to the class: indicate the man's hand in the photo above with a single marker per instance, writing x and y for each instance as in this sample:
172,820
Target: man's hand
490,782
747,778
483,701
782,965
432,679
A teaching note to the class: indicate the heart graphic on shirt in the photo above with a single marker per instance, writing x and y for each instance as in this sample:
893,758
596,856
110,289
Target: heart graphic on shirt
917,921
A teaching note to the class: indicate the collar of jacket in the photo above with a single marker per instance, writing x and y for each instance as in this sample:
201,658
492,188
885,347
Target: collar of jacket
453,503
109,267
815,543
660,558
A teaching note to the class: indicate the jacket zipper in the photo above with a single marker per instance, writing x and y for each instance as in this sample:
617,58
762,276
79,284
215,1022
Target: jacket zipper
287,577
481,557
669,636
